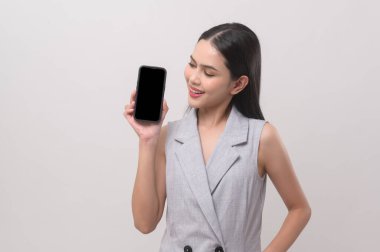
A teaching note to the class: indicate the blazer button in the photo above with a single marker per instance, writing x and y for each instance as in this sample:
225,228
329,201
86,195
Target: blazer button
219,249
187,248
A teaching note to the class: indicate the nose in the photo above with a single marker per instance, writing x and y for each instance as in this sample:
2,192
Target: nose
194,77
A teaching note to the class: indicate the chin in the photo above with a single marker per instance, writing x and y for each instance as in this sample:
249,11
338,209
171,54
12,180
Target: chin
192,103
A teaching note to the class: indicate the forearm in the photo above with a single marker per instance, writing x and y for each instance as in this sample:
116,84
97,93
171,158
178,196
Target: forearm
145,201
293,224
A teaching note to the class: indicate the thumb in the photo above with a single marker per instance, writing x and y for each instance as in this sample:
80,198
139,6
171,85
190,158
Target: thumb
165,108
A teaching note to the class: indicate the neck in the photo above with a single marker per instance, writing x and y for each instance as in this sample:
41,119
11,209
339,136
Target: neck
213,117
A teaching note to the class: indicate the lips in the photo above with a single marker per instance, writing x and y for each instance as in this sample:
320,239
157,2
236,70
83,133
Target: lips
195,89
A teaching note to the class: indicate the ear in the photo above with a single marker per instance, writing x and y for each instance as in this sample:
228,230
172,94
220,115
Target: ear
239,84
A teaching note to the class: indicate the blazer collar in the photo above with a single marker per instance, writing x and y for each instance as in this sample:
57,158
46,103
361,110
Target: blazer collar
204,179
236,128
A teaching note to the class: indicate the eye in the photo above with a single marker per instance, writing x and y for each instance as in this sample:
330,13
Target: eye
192,65
210,75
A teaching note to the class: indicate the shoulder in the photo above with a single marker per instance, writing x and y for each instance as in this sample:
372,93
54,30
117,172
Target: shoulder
262,128
269,133
270,141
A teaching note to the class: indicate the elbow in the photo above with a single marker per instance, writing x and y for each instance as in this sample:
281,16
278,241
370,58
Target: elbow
143,223
308,210
307,213
304,212
145,229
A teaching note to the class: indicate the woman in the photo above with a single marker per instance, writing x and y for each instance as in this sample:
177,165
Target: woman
212,165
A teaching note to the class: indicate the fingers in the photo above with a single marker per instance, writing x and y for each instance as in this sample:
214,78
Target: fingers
128,111
133,95
131,108
128,108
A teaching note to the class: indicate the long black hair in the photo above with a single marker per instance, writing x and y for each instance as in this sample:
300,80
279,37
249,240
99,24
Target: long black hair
241,49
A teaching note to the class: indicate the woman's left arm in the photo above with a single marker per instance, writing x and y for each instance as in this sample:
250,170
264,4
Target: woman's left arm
277,165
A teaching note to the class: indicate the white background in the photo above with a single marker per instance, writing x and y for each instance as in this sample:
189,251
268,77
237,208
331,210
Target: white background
68,157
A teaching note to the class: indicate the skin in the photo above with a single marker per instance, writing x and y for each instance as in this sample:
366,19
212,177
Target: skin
219,90
273,158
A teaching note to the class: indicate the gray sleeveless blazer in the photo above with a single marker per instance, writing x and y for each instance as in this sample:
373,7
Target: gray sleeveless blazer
217,207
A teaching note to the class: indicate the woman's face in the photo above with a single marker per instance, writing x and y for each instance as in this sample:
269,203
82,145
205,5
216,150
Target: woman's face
207,72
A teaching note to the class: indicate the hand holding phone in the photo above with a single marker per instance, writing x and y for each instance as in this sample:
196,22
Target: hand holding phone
146,129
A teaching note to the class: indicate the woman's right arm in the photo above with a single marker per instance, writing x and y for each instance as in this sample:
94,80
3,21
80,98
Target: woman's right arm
149,192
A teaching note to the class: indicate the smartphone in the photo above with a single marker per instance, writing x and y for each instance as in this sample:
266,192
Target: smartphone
150,93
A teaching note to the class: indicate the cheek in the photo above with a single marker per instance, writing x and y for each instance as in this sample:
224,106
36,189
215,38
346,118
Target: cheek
187,73
217,86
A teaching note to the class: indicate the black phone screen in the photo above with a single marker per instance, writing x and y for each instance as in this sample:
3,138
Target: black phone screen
150,93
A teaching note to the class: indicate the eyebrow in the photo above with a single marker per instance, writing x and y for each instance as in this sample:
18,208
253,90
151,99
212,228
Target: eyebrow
207,66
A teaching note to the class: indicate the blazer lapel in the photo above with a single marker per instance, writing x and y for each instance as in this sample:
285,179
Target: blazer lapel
204,180
224,154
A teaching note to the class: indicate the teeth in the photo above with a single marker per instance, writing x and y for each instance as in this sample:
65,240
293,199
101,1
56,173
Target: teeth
196,92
